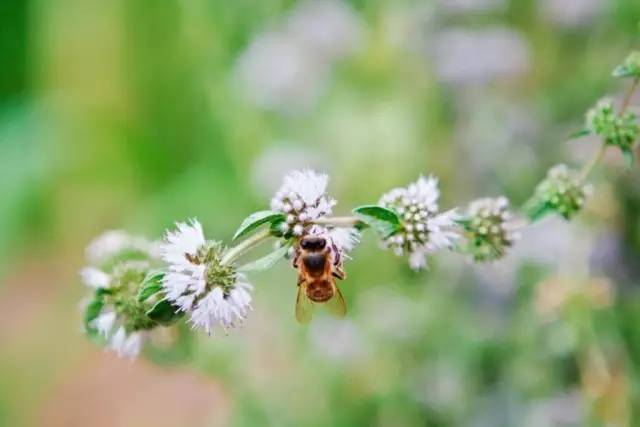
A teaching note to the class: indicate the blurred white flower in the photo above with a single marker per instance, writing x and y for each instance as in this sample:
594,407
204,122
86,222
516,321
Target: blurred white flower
338,340
465,56
571,13
127,345
302,197
471,6
424,230
288,68
329,28
278,72
199,284
113,242
95,278
105,322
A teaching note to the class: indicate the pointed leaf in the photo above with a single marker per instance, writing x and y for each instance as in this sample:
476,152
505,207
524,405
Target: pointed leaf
164,313
93,310
538,211
267,261
151,285
255,220
580,133
385,221
622,71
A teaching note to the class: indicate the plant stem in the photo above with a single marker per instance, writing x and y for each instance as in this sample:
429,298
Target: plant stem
339,221
603,148
586,170
233,253
627,99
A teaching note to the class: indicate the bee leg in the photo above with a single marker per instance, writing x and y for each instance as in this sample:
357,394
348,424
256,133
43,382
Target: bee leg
300,280
296,258
337,259
339,273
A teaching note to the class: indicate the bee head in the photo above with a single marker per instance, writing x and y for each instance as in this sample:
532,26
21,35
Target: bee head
313,243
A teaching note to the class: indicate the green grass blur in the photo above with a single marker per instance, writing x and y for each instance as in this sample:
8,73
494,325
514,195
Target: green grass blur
127,114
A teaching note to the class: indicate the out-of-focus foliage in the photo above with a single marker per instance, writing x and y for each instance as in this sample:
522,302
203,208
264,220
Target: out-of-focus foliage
137,113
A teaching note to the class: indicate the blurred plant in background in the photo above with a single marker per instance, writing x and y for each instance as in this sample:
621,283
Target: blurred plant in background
132,115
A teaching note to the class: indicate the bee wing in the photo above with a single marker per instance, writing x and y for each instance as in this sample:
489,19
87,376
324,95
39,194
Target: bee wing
337,305
304,306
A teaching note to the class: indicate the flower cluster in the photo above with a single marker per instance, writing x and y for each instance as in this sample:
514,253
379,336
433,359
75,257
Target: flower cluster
117,270
199,283
562,191
489,228
303,199
423,230
617,129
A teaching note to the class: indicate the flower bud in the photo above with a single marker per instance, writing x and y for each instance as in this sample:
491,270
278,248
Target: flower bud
561,192
488,232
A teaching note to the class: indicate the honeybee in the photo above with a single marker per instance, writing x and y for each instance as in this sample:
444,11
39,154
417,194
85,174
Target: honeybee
319,264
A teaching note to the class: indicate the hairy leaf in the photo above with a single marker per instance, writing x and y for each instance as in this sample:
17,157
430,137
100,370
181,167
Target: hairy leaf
164,313
385,221
255,220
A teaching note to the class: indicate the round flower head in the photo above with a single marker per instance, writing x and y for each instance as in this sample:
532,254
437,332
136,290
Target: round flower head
620,130
423,229
115,314
490,231
199,284
303,199
561,191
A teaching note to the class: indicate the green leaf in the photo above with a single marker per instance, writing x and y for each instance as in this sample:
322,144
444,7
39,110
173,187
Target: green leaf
151,285
91,313
385,221
580,133
164,313
629,160
93,310
255,220
267,261
622,71
538,211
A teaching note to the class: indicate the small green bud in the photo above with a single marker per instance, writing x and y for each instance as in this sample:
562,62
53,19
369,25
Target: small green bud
630,67
488,229
620,130
561,192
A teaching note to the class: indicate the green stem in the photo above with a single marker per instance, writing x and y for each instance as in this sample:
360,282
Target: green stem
233,253
338,221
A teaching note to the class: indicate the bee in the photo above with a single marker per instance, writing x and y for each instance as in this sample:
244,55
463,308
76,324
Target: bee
319,264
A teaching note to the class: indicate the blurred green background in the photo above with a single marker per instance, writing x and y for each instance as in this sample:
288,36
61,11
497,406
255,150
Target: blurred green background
134,114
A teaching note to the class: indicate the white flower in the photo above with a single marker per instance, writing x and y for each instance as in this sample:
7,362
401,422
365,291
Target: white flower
197,282
424,230
468,57
303,198
126,344
345,239
110,243
104,322
227,310
95,278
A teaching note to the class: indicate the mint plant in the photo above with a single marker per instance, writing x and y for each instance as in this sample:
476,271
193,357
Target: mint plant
138,285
